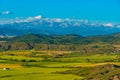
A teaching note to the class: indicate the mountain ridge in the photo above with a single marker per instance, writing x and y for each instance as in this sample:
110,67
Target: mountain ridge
65,39
49,26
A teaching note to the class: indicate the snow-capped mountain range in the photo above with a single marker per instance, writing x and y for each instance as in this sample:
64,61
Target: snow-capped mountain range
39,25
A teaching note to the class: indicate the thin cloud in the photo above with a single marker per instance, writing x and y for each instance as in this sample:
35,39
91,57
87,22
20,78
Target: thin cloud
5,12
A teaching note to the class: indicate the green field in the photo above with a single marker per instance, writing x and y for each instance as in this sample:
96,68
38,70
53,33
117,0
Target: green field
50,65
35,73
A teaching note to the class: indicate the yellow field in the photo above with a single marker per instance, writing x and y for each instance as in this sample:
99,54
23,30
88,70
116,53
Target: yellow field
10,66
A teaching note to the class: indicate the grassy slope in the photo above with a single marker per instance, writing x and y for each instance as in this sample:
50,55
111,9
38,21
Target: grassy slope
42,69
35,73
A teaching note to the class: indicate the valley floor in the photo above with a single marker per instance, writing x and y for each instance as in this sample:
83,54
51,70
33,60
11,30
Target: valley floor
49,65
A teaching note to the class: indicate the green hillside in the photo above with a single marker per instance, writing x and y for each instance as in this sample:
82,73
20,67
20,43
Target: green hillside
87,45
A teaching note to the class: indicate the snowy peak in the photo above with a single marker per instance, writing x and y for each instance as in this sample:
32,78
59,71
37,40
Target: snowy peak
39,24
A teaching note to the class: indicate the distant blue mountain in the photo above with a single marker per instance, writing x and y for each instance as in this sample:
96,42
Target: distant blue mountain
57,26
